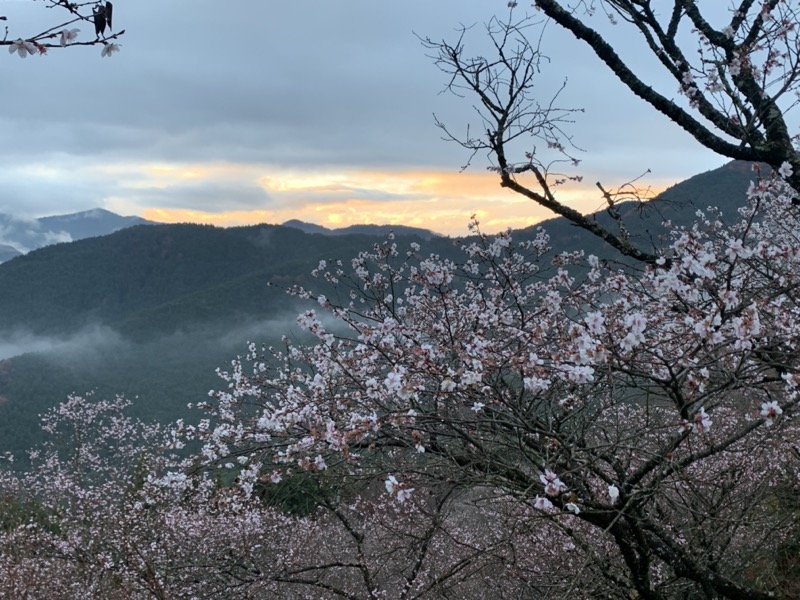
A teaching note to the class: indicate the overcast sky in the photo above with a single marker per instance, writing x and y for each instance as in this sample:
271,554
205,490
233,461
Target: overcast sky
248,111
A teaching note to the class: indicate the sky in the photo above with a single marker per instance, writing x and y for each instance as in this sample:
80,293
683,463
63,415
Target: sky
250,111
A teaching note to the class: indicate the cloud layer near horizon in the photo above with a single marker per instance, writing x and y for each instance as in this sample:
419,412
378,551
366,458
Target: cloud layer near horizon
269,111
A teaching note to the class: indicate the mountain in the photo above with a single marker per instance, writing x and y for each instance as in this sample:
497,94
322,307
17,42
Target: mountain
307,227
18,236
159,278
8,252
24,235
374,230
90,223
724,188
194,272
151,311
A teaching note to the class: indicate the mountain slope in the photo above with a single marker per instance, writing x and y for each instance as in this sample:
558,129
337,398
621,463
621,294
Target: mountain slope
24,235
724,188
109,280
151,311
90,223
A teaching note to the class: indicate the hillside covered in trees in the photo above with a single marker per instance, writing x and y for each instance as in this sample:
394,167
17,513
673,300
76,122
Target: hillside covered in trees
152,311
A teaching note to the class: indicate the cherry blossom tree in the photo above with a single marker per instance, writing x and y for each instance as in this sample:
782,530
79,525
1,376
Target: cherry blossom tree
737,65
509,423
487,426
736,70
107,511
647,416
90,17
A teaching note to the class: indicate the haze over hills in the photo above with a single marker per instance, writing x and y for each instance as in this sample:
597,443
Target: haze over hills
379,230
18,236
151,311
8,252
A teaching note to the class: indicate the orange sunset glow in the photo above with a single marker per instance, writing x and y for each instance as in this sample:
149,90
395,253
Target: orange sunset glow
441,201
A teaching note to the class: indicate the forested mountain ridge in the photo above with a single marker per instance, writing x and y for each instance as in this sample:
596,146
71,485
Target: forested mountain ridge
20,235
111,279
151,311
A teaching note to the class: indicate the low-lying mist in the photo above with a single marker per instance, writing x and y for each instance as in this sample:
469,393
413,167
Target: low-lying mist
94,339
161,375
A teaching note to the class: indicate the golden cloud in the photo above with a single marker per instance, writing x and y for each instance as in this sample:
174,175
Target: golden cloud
441,201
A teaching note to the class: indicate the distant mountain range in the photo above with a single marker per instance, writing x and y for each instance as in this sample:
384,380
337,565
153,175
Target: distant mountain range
8,252
378,230
18,236
151,311
721,187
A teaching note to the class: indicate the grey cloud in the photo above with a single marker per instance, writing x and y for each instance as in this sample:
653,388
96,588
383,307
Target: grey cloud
25,235
333,84
292,84
210,196
17,233
56,237
339,193
216,196
27,193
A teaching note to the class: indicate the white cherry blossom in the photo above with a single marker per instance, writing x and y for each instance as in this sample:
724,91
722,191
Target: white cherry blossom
69,35
771,411
109,49
22,48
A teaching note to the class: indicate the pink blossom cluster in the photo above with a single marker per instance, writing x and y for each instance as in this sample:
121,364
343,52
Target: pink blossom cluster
510,412
574,392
